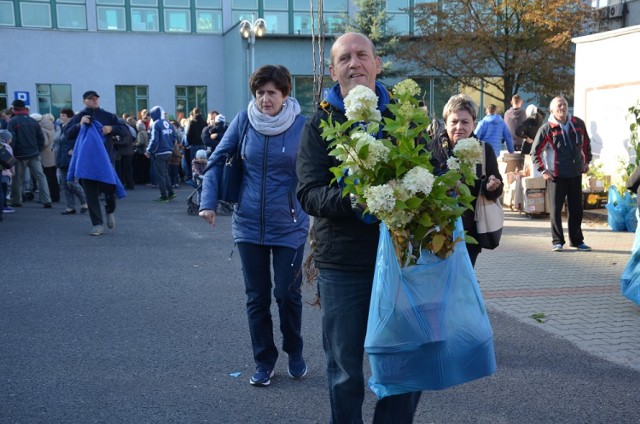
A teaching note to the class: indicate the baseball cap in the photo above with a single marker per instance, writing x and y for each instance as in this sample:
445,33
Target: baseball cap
220,118
89,94
18,104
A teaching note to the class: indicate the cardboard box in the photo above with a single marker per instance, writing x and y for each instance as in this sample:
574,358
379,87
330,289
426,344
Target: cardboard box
535,201
534,183
597,186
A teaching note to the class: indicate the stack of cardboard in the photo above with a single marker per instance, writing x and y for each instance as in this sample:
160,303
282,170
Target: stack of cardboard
535,199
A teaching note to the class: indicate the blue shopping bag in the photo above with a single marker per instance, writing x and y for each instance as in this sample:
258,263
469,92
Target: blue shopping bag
428,328
617,210
630,279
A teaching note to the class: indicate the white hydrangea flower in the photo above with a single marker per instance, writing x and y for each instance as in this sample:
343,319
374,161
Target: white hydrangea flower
361,104
407,87
453,163
399,219
380,199
418,180
469,150
378,152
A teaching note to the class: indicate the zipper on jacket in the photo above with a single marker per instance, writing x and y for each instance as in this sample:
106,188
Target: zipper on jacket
264,188
292,208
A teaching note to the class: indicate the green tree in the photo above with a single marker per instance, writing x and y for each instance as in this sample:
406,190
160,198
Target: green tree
505,46
372,20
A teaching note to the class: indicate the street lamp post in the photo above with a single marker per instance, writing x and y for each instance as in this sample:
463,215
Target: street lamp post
249,30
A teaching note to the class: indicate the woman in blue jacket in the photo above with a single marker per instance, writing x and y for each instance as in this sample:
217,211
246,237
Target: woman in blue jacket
268,221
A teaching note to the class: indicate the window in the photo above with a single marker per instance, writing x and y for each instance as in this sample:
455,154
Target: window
189,97
4,99
209,21
131,99
36,15
7,16
176,20
144,20
53,97
111,19
71,16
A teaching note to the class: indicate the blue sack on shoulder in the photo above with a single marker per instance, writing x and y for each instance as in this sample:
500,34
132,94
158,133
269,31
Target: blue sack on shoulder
428,328
630,279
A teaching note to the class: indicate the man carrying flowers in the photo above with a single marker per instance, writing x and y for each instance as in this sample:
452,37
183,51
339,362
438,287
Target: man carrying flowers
346,238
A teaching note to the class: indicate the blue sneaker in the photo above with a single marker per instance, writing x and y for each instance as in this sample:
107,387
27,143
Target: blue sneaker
583,247
297,368
262,376
557,248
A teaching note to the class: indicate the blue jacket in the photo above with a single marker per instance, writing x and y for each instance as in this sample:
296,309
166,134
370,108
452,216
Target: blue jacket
492,130
163,134
268,212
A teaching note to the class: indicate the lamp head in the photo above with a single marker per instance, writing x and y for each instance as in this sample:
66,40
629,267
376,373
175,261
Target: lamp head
245,29
260,27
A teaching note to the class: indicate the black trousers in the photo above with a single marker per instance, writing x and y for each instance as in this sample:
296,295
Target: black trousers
92,190
571,190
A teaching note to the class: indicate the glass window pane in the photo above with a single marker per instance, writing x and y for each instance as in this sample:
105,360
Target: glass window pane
277,22
276,4
7,17
43,89
177,21
177,3
211,4
244,4
333,22
302,23
71,1
398,23
111,19
114,2
304,5
396,5
35,15
334,5
209,21
144,20
150,3
240,15
72,16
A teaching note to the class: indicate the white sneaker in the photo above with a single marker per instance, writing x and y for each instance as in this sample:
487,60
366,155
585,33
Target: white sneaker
111,220
97,230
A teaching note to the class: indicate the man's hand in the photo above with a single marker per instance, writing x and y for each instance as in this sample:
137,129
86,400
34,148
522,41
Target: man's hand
547,175
86,119
209,216
107,129
493,183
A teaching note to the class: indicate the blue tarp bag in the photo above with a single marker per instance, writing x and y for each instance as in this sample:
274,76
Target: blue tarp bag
630,279
617,210
428,328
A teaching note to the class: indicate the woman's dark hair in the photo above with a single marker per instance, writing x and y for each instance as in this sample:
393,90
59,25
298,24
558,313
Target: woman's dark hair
277,74
68,112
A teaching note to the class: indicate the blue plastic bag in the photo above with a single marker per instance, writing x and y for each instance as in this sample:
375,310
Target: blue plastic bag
630,279
617,210
428,328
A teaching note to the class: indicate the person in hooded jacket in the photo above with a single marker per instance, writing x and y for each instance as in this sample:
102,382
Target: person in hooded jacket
492,130
163,137
212,134
269,225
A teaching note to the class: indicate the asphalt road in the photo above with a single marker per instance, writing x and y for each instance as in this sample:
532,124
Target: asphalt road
146,324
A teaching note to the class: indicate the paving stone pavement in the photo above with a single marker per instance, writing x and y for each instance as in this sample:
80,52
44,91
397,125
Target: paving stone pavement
578,292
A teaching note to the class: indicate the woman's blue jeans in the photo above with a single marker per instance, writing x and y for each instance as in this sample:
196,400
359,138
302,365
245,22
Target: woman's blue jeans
344,298
287,278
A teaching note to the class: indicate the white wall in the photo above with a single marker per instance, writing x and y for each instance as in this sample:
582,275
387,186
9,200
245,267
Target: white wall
607,83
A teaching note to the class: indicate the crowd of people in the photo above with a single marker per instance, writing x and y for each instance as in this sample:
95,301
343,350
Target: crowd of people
44,146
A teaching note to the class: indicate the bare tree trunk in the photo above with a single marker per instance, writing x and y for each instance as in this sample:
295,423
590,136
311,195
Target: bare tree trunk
318,55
